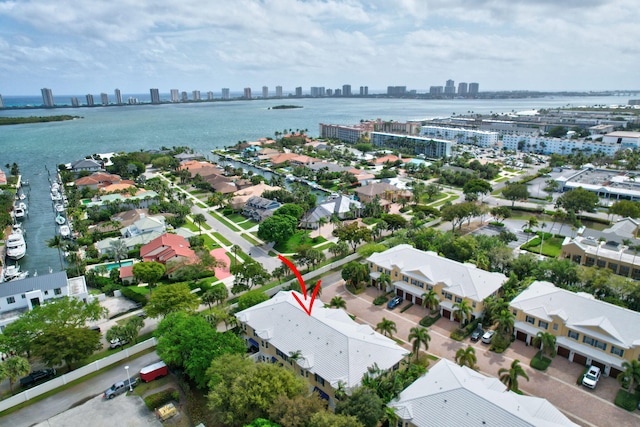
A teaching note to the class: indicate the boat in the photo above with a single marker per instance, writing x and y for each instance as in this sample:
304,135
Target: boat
59,207
11,271
16,246
18,213
22,196
19,276
60,220
65,231
56,196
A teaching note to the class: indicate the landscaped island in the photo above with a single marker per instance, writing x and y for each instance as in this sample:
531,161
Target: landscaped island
35,119
284,107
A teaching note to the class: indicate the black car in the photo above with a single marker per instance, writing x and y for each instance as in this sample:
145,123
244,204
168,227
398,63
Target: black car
37,377
395,301
475,335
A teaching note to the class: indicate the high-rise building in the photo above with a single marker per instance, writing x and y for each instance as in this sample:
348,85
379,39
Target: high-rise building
315,91
195,95
175,95
90,100
329,92
474,88
209,96
47,97
74,102
450,88
396,90
225,93
462,88
366,91
247,93
279,91
265,91
184,96
299,91
435,90
155,96
1,102
104,98
361,90
346,90
118,96
337,92
132,101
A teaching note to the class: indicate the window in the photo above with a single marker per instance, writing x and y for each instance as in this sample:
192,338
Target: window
530,319
555,326
46,292
429,287
57,291
319,379
473,304
543,325
617,351
23,296
379,269
448,296
601,345
11,300
405,279
458,300
588,340
301,372
573,335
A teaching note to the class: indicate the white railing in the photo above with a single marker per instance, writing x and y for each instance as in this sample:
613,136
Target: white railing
74,375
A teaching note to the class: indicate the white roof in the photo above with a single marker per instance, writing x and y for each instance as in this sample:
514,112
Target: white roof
451,395
581,312
332,345
464,280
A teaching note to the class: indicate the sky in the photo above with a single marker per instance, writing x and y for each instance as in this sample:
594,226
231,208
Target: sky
93,46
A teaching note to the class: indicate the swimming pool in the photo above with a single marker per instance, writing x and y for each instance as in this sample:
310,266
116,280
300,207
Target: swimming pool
113,265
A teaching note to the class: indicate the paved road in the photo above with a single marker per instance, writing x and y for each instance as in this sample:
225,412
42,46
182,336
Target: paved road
60,402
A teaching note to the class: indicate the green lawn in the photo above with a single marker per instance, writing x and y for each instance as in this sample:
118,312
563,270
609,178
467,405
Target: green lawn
224,221
300,237
209,242
551,247
503,179
248,224
325,246
236,217
249,239
142,290
221,238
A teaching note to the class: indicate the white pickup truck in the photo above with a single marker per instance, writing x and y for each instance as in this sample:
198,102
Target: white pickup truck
119,388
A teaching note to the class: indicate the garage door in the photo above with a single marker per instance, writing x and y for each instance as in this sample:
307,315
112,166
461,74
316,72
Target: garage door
598,364
521,336
418,301
613,373
446,313
580,359
400,293
564,352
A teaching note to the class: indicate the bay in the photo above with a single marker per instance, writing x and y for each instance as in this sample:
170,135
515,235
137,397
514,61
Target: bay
39,148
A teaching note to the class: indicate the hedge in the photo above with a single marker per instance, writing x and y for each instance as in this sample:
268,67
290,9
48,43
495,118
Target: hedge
427,321
540,362
134,296
381,299
156,400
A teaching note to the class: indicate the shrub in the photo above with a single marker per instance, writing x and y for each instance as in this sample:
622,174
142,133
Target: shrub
84,241
156,400
406,307
626,400
540,362
581,376
499,343
427,321
380,300
134,296
496,224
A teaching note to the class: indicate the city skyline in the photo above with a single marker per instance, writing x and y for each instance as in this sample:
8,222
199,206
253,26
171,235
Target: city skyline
506,45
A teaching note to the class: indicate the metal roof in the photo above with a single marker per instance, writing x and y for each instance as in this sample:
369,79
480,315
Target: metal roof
44,282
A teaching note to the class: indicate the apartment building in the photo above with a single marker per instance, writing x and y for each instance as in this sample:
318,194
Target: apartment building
548,145
429,147
480,138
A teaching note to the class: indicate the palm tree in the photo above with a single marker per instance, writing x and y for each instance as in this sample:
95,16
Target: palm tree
322,221
532,222
294,356
430,300
418,337
390,415
509,377
335,220
464,310
542,227
546,342
234,251
56,242
199,219
600,241
338,302
506,320
467,357
119,250
383,281
630,374
386,326
14,368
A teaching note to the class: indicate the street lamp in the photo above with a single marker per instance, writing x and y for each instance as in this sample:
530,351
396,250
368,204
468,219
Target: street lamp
128,377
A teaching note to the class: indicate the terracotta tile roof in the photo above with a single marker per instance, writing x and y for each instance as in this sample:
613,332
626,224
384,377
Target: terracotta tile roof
165,248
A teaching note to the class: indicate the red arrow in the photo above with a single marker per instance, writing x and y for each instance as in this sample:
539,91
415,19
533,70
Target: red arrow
302,286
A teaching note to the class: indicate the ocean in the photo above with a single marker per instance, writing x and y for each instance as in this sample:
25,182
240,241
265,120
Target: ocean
39,148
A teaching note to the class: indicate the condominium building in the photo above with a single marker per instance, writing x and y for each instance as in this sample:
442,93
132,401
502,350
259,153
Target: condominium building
118,96
345,133
265,91
175,95
299,91
279,91
414,272
337,92
209,96
155,96
333,351
195,95
429,147
346,90
247,93
329,92
47,97
462,88
317,91
396,90
104,98
366,91
548,145
450,88
474,88
435,90
462,135
184,96
89,100
588,331
74,102
1,102
225,93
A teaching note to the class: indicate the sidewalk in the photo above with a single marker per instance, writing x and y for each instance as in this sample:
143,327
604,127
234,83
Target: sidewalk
557,385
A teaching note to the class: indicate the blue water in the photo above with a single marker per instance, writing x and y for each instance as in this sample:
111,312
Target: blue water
39,148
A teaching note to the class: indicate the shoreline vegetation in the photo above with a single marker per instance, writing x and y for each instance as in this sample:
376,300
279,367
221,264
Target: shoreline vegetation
4,121
284,107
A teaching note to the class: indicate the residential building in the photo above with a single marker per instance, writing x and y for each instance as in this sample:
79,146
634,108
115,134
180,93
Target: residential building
47,97
1,102
142,199
241,196
480,138
450,88
155,96
225,93
259,208
548,145
429,147
337,92
145,224
588,331
265,91
279,91
381,191
185,96
414,272
342,206
19,296
317,91
333,351
247,93
391,126
104,98
345,133
435,90
89,165
607,184
366,91
74,102
452,395
396,90
299,91
474,88
99,180
462,88
329,92
118,95
90,102
175,95
346,90
209,96
167,248
195,95
625,139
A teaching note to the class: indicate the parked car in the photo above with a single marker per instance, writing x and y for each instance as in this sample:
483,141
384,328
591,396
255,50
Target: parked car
119,388
117,343
488,336
37,377
395,301
475,335
592,376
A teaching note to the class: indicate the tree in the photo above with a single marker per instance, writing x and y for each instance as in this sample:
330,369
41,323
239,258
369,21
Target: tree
364,404
464,310
500,213
394,222
515,191
630,374
248,275
458,213
199,219
66,344
149,272
419,337
290,209
509,377
474,187
625,208
578,200
531,222
432,189
353,234
170,298
430,300
506,321
329,419
467,357
383,281
387,327
14,368
251,298
190,342
338,302
340,249
297,410
57,242
218,293
356,274
277,228
546,342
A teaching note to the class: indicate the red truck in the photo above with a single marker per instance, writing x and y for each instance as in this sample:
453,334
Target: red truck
151,372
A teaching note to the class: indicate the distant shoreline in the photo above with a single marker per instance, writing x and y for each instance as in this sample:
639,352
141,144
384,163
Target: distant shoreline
6,121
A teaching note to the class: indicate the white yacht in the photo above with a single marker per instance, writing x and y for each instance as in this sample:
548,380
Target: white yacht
16,246
60,220
65,231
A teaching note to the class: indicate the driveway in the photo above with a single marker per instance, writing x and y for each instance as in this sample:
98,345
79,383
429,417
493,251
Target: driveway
558,384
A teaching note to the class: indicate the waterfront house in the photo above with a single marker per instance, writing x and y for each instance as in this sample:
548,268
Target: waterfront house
327,348
452,395
343,206
167,248
414,272
98,180
145,224
391,193
241,196
588,331
86,165
259,208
